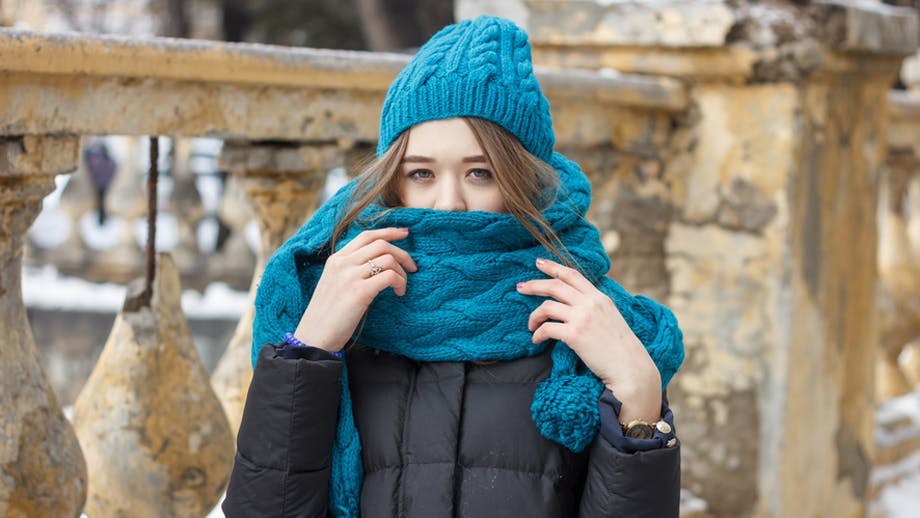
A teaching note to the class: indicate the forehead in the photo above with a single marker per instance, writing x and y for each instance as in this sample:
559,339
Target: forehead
442,137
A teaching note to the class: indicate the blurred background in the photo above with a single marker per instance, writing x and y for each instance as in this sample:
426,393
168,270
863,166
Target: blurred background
755,165
378,25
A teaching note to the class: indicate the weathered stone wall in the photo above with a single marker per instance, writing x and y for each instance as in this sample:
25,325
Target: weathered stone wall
725,257
625,160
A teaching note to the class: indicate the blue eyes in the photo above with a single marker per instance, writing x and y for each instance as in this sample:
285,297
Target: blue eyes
479,175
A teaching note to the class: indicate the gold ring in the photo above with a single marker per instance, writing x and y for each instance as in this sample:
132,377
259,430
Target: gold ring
374,268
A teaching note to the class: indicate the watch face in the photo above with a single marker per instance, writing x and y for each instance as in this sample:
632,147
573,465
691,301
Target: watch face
640,431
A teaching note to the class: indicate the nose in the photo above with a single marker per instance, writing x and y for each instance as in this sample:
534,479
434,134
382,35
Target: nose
450,197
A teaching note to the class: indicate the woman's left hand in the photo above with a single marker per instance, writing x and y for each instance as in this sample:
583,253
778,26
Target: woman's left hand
588,321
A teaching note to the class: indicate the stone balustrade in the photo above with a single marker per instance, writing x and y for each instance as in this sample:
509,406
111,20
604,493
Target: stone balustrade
287,116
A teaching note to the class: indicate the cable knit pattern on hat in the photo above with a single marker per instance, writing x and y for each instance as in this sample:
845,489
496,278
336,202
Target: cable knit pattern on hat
462,303
476,68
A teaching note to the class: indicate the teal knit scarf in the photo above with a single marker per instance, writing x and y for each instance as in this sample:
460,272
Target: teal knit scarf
462,305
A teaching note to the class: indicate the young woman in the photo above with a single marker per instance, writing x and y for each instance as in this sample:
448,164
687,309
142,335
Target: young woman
492,367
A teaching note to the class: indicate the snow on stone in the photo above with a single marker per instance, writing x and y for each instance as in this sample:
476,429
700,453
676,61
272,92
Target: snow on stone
53,226
900,499
45,288
897,408
218,301
900,496
689,503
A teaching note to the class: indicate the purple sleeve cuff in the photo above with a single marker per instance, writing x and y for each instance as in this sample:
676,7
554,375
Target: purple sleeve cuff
609,408
292,349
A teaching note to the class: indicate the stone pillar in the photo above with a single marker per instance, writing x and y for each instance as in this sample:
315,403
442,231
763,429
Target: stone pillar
770,245
42,471
282,185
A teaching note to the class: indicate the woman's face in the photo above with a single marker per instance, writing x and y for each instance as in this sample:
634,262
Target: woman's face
444,168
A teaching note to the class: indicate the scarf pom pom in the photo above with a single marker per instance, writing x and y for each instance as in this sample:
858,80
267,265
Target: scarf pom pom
563,414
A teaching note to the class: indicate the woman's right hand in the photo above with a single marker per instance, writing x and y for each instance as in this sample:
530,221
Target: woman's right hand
347,287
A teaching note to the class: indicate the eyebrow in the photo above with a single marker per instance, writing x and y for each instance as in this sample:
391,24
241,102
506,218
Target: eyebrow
425,159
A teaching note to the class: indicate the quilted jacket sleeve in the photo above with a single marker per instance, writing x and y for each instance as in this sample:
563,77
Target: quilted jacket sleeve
625,482
284,445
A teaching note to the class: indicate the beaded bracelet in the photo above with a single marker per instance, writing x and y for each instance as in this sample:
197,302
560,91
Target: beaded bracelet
292,340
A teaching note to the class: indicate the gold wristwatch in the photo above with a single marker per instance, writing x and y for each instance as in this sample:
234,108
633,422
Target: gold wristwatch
639,429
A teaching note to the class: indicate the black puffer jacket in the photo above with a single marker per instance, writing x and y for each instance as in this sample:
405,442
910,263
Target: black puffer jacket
438,440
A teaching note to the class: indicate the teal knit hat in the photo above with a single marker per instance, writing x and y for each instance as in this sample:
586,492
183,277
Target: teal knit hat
476,68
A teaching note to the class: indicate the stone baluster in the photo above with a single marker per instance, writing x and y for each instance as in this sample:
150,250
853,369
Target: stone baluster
156,440
899,277
185,203
906,130
118,258
282,184
235,260
42,470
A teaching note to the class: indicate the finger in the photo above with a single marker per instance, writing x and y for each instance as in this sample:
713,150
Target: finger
570,276
384,262
369,236
551,331
387,279
550,309
381,247
554,288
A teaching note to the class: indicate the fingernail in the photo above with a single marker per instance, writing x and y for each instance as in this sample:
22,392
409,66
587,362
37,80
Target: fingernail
403,229
520,286
541,261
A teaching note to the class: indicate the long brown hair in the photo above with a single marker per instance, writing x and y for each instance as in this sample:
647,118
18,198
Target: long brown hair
527,184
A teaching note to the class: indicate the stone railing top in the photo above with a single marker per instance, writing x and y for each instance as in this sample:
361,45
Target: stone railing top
194,60
90,84
875,27
245,63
